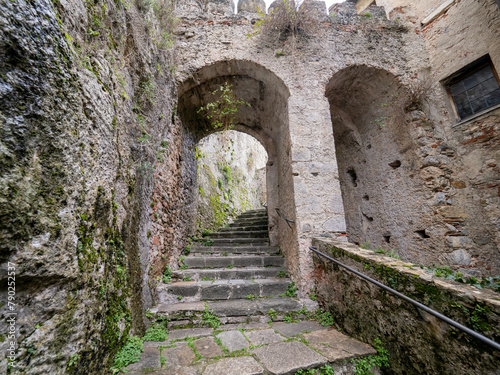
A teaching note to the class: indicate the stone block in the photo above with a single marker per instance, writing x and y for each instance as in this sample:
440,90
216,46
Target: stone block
233,340
180,334
185,289
460,257
273,288
276,261
337,346
208,348
452,212
248,261
215,291
240,366
263,337
178,356
288,357
245,289
294,329
150,359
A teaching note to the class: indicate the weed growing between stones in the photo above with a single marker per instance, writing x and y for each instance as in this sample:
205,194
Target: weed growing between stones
325,370
291,291
156,332
365,365
324,318
209,319
167,274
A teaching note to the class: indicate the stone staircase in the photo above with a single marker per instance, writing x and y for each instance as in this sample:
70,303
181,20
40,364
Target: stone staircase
233,269
227,313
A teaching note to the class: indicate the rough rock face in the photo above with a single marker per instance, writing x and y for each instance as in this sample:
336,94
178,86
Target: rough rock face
86,101
251,6
228,177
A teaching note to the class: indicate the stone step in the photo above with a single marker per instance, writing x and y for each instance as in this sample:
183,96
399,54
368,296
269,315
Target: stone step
240,234
223,289
206,261
279,348
245,228
260,213
231,273
224,250
192,311
248,222
241,241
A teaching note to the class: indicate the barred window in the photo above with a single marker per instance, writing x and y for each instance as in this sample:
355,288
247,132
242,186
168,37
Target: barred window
474,88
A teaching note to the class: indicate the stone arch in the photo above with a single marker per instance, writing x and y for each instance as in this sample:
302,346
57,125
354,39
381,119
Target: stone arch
376,159
266,120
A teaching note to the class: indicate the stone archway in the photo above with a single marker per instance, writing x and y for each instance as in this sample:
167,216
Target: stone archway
266,120
377,161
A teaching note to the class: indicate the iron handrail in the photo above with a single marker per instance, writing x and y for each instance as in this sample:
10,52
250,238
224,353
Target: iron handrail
419,305
288,221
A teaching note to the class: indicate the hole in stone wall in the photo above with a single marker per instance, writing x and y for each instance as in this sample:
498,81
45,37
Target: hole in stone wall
369,146
315,174
368,217
395,164
366,197
387,237
422,234
353,177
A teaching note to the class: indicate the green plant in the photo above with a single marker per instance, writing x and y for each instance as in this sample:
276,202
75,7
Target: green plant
73,360
222,111
167,274
183,267
250,296
209,319
187,278
272,314
129,353
291,290
163,360
281,274
179,297
312,295
229,266
157,332
367,15
325,318
365,365
289,318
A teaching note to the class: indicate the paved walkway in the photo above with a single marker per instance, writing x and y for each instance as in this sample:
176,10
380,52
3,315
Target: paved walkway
250,349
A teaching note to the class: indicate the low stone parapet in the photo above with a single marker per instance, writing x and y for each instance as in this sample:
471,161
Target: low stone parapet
418,342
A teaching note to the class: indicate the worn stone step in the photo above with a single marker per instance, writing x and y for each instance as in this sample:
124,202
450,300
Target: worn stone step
231,273
192,311
224,289
261,213
240,234
241,241
245,228
248,222
224,250
206,261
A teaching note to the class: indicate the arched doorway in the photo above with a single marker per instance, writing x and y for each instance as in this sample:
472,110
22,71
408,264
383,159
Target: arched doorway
266,119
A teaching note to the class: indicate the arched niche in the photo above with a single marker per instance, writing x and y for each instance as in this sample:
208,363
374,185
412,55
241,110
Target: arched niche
376,159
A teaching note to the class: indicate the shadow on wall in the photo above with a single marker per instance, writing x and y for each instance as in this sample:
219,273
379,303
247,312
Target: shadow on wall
376,159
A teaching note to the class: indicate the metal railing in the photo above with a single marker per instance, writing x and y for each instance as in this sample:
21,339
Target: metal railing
288,221
419,305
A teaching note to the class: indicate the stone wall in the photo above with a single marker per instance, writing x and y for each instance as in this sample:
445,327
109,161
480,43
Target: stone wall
228,182
418,343
87,99
309,188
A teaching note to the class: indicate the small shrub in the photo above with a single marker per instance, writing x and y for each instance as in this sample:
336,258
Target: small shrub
209,319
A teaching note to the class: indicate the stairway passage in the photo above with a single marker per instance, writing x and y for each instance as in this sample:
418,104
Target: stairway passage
230,311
